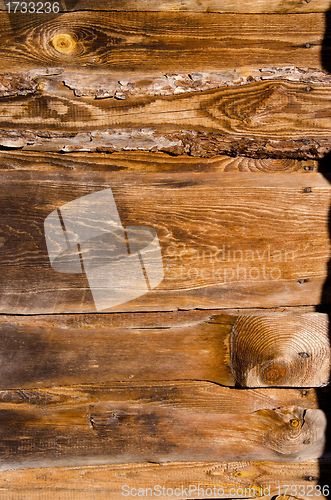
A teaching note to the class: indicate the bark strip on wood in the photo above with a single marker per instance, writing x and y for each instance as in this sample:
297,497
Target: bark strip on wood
265,118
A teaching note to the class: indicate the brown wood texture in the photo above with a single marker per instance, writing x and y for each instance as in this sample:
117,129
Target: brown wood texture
154,42
105,481
234,6
260,350
178,83
140,161
188,421
276,118
227,239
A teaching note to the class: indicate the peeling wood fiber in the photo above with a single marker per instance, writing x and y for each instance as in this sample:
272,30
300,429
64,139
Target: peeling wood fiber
207,119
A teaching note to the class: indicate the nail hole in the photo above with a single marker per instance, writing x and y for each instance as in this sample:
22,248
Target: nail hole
301,281
310,478
307,190
304,354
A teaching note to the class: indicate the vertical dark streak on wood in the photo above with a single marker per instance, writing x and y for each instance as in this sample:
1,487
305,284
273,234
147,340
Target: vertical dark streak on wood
81,258
127,242
144,271
63,227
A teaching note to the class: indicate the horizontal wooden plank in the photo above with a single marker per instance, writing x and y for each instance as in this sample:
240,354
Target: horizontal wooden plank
186,421
119,85
154,42
144,162
275,118
226,239
122,86
265,349
249,6
223,479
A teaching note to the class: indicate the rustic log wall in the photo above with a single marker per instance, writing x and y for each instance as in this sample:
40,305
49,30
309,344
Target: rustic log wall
210,121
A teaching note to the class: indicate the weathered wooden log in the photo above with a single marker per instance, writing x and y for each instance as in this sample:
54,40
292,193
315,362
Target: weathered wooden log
158,422
265,117
140,161
223,479
227,239
155,42
164,82
265,349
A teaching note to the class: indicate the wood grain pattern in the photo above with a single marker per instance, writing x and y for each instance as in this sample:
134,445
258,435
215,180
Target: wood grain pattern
216,253
119,85
105,481
186,421
122,86
143,162
236,6
275,118
165,82
154,42
261,350
280,350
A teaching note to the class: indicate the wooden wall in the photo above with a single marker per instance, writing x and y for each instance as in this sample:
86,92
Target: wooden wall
210,121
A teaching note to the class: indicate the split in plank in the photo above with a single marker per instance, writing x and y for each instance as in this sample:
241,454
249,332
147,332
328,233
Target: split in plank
265,349
186,421
145,162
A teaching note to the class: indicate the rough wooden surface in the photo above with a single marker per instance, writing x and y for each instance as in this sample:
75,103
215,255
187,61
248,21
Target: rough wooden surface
119,85
154,42
248,6
140,161
275,117
268,349
280,350
188,421
249,79
227,239
105,481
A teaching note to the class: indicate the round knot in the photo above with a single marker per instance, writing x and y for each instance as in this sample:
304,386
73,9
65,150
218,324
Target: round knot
275,373
295,423
64,43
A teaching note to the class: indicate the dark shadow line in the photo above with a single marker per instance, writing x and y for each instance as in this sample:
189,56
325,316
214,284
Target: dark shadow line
324,394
